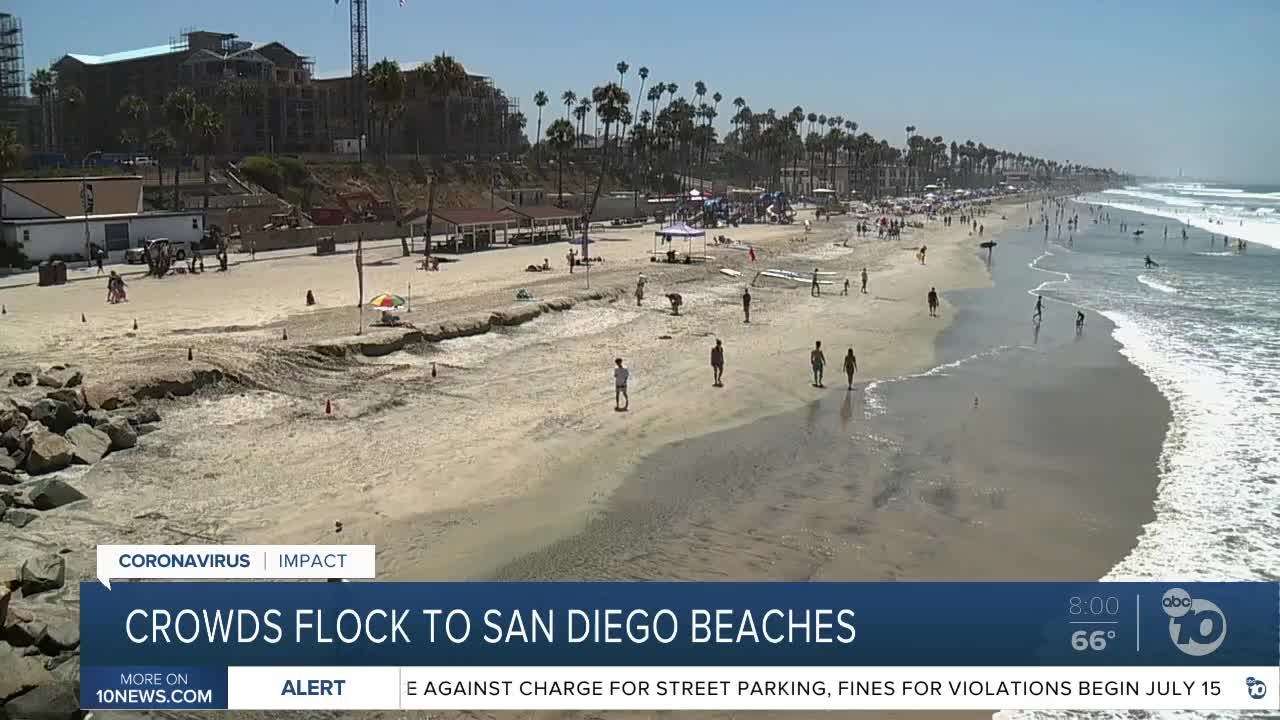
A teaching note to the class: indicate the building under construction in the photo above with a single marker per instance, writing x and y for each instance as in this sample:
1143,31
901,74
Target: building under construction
263,90
478,121
13,78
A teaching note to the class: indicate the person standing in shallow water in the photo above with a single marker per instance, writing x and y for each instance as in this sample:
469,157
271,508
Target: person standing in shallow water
746,305
717,365
864,281
850,366
818,361
933,302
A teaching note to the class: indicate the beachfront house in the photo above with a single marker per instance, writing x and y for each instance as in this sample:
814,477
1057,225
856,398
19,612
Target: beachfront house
62,218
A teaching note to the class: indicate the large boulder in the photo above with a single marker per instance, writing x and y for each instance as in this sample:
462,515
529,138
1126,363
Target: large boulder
7,464
60,377
54,414
9,478
22,633
144,416
20,379
122,434
11,418
42,574
89,444
18,674
103,396
18,517
55,700
13,439
51,493
59,638
49,452
70,396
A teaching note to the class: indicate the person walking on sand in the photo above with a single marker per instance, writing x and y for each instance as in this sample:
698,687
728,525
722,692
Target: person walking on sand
815,290
1039,313
850,366
570,257
1079,321
746,305
620,377
818,361
640,283
97,254
864,281
845,291
933,302
717,365
751,254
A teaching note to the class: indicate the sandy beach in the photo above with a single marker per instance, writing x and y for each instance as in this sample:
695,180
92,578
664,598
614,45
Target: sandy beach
518,430
512,463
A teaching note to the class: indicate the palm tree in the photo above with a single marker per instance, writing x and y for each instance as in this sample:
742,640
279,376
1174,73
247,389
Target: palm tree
10,150
446,78
73,105
386,92
644,75
622,67
672,89
160,144
655,96
540,99
44,83
569,98
611,103
179,111
562,138
134,109
207,128
581,112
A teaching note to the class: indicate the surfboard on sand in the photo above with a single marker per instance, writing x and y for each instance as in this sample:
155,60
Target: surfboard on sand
730,272
793,277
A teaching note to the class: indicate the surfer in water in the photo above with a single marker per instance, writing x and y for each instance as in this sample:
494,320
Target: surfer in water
818,361
850,366
1079,322
1039,313
1149,263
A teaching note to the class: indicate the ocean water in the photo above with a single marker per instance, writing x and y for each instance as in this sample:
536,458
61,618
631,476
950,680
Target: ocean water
1251,212
1205,327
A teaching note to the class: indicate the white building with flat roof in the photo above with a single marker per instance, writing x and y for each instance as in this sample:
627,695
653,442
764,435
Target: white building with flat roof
64,218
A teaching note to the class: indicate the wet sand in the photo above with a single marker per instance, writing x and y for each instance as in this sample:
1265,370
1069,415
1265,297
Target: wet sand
1049,477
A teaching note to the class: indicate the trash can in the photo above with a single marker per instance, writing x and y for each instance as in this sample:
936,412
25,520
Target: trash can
326,245
59,272
46,274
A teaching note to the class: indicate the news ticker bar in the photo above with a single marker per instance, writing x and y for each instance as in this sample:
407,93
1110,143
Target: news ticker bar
681,688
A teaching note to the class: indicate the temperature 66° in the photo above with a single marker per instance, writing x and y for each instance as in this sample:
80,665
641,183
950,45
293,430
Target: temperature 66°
1091,639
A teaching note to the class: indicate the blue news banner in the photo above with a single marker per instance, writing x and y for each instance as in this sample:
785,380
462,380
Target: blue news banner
167,645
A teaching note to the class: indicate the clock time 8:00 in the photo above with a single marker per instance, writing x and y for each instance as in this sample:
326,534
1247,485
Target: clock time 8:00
1094,605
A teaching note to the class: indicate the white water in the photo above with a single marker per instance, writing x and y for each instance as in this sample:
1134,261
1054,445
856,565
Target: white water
1221,211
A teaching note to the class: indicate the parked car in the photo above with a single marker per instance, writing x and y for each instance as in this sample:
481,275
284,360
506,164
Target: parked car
180,248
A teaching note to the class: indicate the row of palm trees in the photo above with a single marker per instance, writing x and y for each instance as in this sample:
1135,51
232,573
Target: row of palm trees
672,134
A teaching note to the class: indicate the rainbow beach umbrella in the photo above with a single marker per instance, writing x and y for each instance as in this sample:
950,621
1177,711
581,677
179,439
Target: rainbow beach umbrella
387,302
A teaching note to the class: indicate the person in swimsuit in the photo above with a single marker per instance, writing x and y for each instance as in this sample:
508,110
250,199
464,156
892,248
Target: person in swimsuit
818,361
850,366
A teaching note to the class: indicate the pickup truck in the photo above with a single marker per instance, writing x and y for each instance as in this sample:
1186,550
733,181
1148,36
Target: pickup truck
180,249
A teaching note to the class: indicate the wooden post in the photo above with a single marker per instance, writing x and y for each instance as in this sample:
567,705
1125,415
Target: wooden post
360,281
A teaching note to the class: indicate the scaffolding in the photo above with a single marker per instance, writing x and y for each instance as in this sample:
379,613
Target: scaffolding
12,76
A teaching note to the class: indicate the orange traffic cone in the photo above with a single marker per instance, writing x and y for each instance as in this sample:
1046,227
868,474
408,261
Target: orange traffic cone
135,323
82,319
190,355
285,335
328,407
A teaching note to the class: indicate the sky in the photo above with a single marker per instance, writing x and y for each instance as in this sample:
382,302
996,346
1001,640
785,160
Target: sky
1144,86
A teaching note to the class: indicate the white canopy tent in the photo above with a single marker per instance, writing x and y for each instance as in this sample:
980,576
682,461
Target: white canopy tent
680,230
